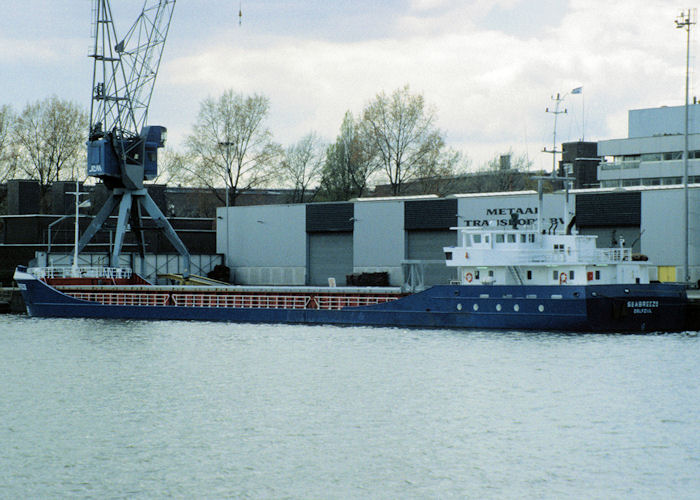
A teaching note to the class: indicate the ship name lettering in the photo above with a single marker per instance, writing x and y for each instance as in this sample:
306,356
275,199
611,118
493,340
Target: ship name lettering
647,304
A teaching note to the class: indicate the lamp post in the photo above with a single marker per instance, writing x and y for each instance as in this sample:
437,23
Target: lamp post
684,21
227,145
76,229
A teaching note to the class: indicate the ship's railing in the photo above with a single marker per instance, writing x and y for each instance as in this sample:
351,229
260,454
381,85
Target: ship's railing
598,255
242,301
273,301
339,301
80,272
523,256
123,299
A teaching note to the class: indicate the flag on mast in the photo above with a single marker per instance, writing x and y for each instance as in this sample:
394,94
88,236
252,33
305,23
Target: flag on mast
577,90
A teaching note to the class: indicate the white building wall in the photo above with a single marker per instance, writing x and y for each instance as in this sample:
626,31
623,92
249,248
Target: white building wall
378,238
662,223
663,120
264,244
478,209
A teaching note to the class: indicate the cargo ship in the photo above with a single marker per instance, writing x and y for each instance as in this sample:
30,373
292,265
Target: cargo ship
507,278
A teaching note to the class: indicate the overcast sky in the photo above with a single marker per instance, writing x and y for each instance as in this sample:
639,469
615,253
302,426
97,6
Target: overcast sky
489,67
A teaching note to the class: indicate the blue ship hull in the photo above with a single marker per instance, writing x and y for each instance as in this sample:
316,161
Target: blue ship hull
656,307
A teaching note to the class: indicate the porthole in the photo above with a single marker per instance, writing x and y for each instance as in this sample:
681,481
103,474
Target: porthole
459,307
516,308
498,307
476,307
540,308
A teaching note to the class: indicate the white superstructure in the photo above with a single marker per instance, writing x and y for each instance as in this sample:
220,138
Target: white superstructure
523,256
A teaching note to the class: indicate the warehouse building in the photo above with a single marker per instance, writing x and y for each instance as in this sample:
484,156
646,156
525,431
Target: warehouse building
404,237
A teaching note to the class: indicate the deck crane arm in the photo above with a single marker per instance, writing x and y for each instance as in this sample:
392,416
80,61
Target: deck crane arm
122,148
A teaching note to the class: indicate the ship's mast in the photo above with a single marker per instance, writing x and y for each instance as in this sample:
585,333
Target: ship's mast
556,112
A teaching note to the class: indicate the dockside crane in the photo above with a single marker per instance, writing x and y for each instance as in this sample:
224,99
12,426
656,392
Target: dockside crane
122,150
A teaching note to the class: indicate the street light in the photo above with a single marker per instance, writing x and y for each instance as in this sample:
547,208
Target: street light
227,145
684,22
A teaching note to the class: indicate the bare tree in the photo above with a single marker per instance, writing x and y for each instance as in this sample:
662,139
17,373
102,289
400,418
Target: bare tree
503,172
172,166
440,173
301,165
400,129
349,164
8,153
50,138
230,145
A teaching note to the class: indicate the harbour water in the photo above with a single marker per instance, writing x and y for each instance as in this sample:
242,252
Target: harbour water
122,409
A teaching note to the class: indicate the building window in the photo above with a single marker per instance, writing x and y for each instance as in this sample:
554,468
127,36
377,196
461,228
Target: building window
666,181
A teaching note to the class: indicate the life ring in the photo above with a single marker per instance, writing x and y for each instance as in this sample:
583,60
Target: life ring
562,278
469,277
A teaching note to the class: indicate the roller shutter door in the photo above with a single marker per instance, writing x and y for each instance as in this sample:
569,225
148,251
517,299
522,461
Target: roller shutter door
428,245
330,255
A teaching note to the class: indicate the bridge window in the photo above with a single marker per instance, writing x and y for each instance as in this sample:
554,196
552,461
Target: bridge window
500,238
511,238
476,238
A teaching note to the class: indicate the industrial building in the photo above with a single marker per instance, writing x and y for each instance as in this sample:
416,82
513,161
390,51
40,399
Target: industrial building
652,154
307,244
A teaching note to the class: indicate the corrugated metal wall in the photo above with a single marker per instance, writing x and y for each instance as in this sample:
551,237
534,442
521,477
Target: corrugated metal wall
330,244
427,224
330,256
606,210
